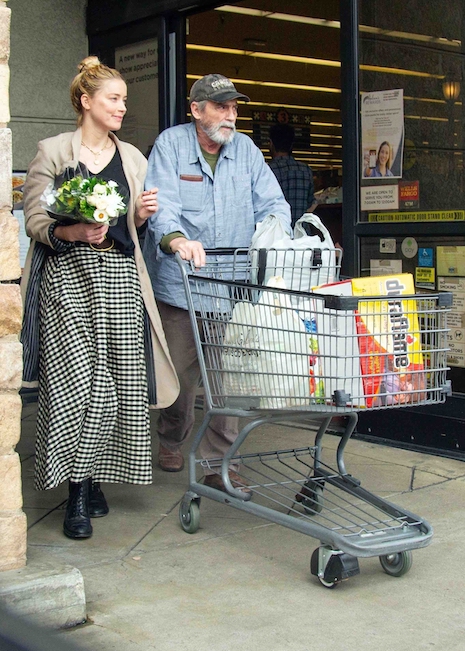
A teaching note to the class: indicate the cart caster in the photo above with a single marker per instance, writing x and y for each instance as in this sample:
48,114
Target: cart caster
396,564
189,515
332,566
311,497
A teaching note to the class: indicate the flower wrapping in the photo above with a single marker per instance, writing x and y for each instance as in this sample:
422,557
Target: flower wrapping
76,196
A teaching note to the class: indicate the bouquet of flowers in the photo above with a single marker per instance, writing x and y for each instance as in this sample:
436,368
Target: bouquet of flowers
81,198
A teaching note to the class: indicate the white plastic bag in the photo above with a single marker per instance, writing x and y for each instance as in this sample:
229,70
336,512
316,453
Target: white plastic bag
266,354
284,350
303,262
241,379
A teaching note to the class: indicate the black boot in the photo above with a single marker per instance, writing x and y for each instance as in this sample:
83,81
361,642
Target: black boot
77,521
98,506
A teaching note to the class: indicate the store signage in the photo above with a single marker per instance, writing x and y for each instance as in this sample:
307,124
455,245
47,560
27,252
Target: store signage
138,63
379,197
425,277
425,257
409,194
420,216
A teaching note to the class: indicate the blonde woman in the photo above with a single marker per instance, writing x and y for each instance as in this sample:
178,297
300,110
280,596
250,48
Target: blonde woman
383,162
92,334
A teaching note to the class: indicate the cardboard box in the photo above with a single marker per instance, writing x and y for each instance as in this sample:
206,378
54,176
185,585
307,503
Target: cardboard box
389,341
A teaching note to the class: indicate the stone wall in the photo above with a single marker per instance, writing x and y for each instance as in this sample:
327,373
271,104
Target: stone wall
12,518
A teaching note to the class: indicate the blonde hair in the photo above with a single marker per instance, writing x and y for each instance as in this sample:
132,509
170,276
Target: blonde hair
89,80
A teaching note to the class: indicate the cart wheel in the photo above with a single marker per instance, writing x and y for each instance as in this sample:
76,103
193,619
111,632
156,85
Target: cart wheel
313,500
189,517
327,584
396,564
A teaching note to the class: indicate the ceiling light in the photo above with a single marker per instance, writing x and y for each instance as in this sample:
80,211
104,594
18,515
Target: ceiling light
321,22
308,60
277,84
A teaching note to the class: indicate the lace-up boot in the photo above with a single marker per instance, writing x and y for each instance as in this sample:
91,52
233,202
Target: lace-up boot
77,521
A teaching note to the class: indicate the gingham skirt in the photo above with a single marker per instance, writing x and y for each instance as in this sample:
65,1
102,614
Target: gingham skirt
93,417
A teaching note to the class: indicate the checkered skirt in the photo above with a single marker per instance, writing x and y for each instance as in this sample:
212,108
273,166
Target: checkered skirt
93,418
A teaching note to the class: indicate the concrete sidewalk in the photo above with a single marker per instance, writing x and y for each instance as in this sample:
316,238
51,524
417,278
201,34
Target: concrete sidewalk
244,583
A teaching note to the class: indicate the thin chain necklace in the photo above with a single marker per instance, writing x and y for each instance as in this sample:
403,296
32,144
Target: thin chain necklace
97,153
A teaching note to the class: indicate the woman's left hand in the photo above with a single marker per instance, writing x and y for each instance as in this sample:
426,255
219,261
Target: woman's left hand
146,205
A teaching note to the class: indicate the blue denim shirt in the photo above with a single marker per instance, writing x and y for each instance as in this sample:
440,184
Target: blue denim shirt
219,210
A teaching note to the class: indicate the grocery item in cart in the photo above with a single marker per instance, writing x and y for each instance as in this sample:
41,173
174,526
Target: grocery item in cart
266,353
389,341
302,261
338,345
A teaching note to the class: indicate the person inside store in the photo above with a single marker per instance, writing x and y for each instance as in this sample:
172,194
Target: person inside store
89,310
214,187
294,177
383,162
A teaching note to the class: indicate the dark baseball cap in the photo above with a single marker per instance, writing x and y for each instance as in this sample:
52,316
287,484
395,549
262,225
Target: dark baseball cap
216,88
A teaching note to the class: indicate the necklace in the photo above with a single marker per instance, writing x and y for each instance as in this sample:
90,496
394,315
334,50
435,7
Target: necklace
97,153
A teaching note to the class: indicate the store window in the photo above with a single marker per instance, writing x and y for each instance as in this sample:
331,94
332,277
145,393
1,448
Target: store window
411,80
412,185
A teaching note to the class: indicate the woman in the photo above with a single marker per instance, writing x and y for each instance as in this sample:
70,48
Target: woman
87,286
383,162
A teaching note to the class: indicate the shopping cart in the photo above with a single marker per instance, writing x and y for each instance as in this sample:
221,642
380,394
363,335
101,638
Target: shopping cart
271,355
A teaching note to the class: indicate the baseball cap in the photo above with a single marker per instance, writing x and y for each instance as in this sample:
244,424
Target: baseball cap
216,88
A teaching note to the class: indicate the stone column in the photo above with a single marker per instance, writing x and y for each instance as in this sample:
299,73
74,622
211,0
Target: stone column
12,518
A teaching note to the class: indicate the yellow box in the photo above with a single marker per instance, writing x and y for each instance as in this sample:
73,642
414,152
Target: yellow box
450,260
389,341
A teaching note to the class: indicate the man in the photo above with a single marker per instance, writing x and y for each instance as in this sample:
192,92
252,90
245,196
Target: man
214,186
295,178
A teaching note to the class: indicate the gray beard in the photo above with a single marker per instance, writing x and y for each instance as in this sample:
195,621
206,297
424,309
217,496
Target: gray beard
214,133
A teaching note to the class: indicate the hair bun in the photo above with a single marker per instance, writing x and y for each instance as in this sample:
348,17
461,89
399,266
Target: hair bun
88,63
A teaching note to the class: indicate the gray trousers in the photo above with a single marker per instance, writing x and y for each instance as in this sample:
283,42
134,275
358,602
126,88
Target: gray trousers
176,422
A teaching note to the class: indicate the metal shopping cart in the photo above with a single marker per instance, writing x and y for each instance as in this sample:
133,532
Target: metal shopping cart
303,359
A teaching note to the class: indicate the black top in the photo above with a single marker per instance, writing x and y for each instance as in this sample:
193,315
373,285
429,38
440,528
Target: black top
120,233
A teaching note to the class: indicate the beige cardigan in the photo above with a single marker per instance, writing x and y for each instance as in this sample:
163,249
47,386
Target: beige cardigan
53,157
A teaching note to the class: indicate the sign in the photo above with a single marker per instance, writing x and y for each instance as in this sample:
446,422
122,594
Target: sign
382,119
421,216
409,247
387,245
138,64
385,267
409,194
425,277
379,197
425,257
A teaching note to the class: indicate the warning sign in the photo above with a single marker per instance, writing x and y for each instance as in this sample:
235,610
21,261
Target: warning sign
420,216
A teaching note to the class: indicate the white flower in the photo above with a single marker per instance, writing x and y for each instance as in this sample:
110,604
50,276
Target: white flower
102,203
114,205
112,184
99,189
100,216
92,200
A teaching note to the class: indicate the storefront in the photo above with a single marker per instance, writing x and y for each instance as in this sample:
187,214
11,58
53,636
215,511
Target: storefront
354,77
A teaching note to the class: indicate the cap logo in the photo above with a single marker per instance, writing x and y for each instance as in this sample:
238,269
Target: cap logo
222,83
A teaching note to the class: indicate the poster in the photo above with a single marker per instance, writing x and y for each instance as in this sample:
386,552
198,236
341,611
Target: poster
382,133
138,64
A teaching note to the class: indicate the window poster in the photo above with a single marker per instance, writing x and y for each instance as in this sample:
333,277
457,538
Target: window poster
138,64
382,118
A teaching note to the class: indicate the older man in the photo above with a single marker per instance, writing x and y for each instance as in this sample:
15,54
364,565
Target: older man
214,186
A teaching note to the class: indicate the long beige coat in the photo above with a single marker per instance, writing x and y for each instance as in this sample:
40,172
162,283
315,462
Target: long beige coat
53,157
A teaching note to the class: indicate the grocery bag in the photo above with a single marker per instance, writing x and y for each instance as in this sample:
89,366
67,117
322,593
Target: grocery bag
284,350
303,262
266,354
241,378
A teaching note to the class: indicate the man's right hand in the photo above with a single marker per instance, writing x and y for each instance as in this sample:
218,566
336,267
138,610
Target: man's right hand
189,250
